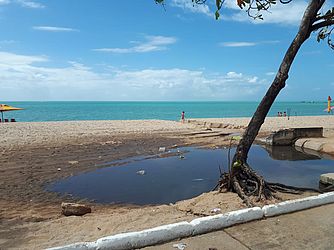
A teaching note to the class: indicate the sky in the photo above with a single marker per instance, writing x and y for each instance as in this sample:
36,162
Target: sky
109,50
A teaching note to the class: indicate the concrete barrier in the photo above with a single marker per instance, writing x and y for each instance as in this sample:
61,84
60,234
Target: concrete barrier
198,226
287,137
297,205
145,238
220,221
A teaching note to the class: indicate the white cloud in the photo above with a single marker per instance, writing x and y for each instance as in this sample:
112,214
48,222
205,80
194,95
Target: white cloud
287,14
4,2
271,73
30,4
237,44
234,75
11,60
246,44
188,6
24,3
153,43
54,29
22,79
7,41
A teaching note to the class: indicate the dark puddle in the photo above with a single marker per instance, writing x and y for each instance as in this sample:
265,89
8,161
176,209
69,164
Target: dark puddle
170,179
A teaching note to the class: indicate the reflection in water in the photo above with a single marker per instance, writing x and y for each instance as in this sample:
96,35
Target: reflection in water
175,178
289,154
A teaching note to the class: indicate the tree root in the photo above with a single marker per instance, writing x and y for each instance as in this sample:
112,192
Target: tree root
252,187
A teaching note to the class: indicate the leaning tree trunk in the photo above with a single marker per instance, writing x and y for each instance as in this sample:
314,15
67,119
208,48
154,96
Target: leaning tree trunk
242,178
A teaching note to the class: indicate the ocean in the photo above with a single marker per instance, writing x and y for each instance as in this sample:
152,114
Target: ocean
72,111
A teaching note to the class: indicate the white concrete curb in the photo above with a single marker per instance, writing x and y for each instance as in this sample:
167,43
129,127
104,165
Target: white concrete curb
220,221
299,204
168,232
77,246
198,226
145,238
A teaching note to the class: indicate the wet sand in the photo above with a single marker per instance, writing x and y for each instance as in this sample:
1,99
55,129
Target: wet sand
32,153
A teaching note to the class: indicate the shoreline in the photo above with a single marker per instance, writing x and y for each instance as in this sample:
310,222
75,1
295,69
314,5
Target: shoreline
36,133
32,152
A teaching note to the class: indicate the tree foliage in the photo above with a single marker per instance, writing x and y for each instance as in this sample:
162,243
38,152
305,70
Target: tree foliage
254,9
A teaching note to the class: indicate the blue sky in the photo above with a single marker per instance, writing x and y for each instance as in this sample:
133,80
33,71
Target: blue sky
136,50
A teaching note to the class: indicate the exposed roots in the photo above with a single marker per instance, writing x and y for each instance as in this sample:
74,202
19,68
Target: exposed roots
252,187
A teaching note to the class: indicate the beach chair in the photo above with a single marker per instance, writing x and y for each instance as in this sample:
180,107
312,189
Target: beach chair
12,120
6,120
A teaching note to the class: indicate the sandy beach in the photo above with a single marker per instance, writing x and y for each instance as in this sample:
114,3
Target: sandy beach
33,153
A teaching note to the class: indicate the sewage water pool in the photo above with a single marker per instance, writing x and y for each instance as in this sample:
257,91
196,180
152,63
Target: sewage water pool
170,179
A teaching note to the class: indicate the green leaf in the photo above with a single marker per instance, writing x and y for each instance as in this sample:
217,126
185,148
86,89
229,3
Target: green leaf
236,137
217,15
237,164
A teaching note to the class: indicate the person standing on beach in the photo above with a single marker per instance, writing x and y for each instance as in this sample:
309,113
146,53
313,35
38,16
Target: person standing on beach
182,117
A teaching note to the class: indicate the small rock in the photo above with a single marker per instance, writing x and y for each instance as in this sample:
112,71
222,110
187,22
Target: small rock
69,209
58,169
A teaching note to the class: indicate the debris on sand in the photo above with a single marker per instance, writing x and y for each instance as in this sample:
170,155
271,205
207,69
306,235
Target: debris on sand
141,172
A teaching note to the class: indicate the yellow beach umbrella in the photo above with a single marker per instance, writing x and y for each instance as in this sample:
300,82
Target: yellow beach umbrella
5,108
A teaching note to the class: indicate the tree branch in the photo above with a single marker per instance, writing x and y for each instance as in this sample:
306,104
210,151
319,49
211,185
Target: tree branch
325,17
323,24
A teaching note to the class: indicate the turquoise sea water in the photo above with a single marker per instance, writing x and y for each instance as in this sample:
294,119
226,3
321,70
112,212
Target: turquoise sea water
67,111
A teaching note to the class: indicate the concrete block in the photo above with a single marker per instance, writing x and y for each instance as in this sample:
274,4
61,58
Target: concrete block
296,205
220,221
286,137
327,178
300,142
314,145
